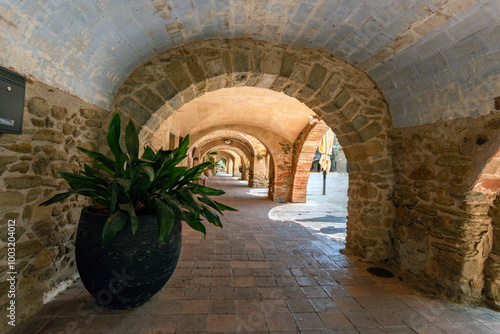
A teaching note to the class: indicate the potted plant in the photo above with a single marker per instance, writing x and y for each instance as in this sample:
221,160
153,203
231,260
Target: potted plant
128,242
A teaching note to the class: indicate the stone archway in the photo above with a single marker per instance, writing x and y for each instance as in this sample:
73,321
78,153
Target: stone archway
279,148
303,154
345,97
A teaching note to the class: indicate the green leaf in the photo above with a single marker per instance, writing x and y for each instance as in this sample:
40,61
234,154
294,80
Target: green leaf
211,217
183,147
114,196
223,207
102,167
110,164
129,207
113,225
132,140
125,184
172,201
195,223
198,188
58,198
114,132
206,200
148,170
148,153
166,218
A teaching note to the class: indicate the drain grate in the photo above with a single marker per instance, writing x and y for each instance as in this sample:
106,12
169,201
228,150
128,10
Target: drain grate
380,272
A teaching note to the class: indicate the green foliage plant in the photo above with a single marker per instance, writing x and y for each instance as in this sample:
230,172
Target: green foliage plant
130,185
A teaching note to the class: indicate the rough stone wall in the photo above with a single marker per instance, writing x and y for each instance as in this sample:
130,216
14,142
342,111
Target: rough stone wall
162,137
492,265
443,231
55,122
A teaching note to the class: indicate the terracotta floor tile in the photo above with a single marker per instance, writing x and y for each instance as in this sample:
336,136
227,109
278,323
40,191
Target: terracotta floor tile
222,306
194,307
361,319
191,323
221,323
310,321
336,320
281,322
259,275
244,281
299,305
323,304
221,293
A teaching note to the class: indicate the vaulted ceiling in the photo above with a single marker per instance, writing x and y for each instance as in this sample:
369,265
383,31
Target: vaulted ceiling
432,59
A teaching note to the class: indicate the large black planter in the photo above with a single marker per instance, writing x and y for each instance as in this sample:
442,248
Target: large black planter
130,269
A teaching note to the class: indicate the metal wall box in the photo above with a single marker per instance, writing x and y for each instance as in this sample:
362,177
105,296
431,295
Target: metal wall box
12,90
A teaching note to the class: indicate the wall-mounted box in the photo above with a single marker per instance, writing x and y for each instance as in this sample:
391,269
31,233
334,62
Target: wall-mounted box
12,89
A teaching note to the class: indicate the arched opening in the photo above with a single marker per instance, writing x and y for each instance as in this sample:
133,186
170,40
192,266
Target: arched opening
344,97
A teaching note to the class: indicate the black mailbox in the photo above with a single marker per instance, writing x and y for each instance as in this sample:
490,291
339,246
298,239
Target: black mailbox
12,88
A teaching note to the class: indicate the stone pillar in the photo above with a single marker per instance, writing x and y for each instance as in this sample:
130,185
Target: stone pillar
260,173
492,265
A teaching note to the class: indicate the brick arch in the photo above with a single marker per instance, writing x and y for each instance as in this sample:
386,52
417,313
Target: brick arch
342,95
488,182
246,146
303,154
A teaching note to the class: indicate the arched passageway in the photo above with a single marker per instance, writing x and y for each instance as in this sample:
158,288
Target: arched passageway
261,273
344,97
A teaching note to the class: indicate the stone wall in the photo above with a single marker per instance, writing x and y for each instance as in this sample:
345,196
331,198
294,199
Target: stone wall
492,265
443,231
55,123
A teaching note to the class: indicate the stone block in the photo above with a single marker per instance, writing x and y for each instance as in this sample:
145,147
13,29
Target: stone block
177,75
26,248
288,64
453,161
10,200
49,135
149,99
371,130
44,227
33,194
425,173
241,62
316,77
39,123
368,191
135,110
22,182
90,113
59,113
341,98
21,167
214,68
38,106
195,69
65,167
68,128
19,148
479,208
373,148
359,122
45,258
39,213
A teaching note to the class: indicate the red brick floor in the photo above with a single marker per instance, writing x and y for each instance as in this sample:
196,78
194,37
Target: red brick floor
260,275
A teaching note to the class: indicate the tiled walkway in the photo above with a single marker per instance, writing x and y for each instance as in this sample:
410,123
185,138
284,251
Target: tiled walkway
262,275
